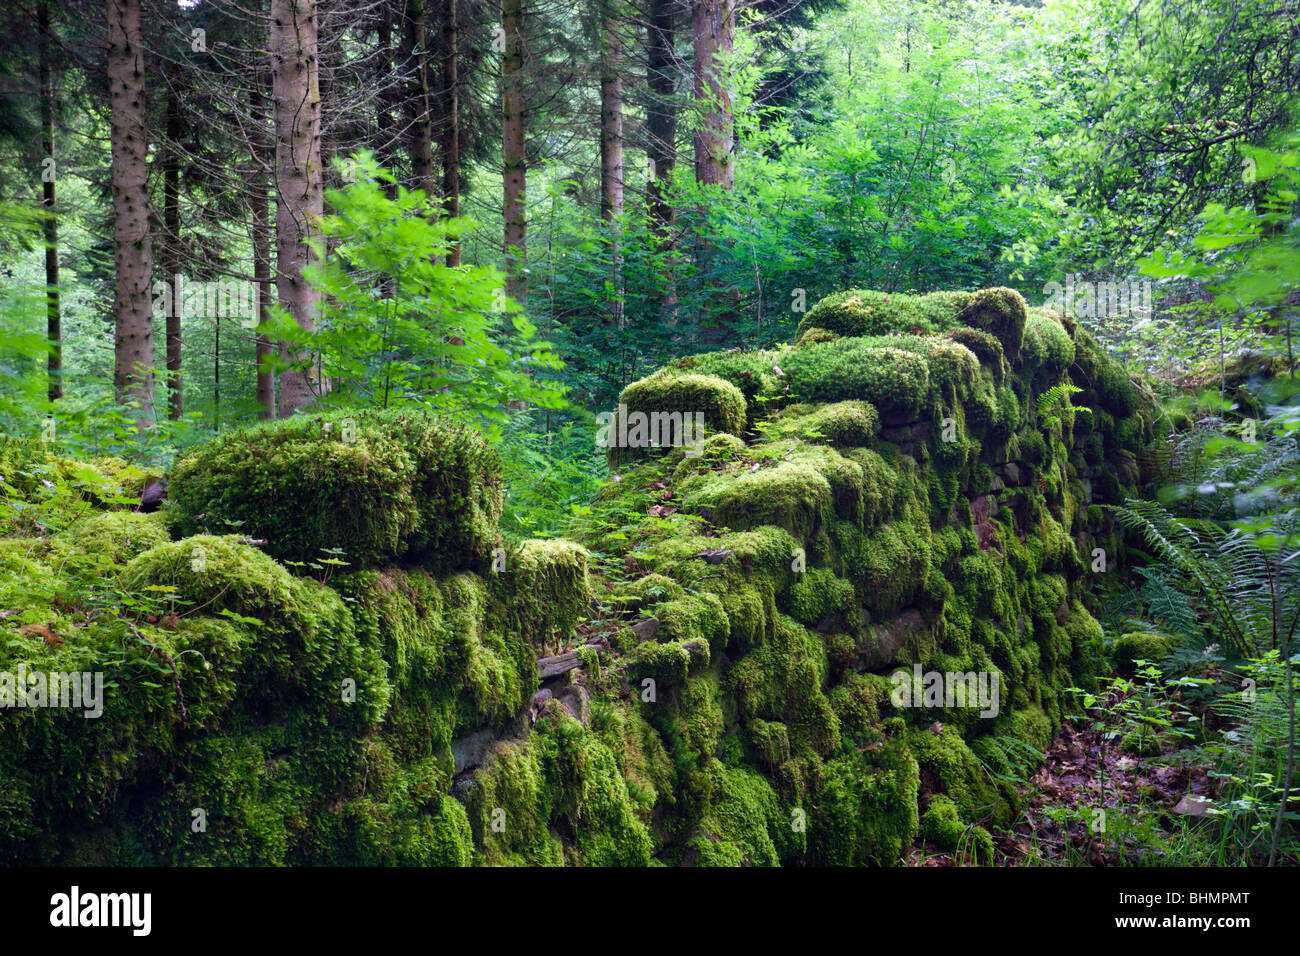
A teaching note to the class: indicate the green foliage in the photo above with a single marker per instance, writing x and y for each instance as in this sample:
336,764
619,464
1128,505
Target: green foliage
396,326
1055,403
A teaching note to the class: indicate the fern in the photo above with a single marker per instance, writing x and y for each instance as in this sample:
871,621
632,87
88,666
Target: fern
1225,570
1169,607
1056,401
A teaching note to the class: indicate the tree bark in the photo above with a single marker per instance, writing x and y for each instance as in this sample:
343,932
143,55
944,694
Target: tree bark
295,84
661,118
714,34
171,251
715,28
50,225
514,166
261,209
611,144
133,352
421,122
451,119
386,101
611,112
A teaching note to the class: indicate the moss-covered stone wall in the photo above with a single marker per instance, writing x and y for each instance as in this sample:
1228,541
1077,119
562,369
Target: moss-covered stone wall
322,651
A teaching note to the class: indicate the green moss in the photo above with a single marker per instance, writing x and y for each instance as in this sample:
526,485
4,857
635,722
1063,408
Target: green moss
35,470
889,565
376,486
451,670
94,545
743,814
1031,448
856,702
953,369
667,665
841,423
510,803
1047,348
306,641
721,403
1001,312
458,487
794,496
754,373
985,347
895,381
864,811
809,336
1029,725
646,591
941,824
948,766
782,681
1106,385
818,594
592,798
417,826
698,617
718,451
859,312
642,757
899,547
542,591
1140,646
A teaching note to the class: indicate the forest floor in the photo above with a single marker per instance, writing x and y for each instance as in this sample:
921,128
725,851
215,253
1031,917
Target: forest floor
1085,786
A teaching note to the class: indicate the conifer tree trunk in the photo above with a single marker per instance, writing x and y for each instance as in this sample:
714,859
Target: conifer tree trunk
50,225
611,144
661,117
133,357
715,29
611,113
451,118
714,34
171,252
385,102
512,148
421,122
295,86
261,209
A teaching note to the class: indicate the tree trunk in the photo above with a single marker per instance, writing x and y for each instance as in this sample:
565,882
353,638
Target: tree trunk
421,122
216,371
661,118
386,101
295,85
172,251
611,145
714,32
261,209
513,119
611,113
451,119
53,315
133,352
715,27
